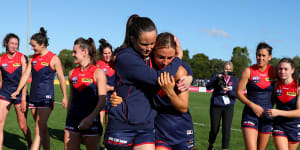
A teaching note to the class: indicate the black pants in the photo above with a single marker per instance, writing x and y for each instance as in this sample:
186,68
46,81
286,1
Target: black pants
216,113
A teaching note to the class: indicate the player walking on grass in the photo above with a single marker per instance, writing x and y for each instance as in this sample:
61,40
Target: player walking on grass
256,125
43,66
87,98
286,128
13,64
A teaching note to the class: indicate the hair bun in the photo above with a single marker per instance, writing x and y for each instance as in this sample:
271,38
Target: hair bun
102,41
43,31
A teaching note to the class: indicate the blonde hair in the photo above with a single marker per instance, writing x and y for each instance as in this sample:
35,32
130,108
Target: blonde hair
228,63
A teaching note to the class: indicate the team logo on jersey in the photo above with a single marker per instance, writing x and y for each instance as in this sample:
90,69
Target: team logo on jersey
105,70
278,92
255,79
291,94
44,64
34,62
16,64
48,96
87,80
189,132
4,66
74,80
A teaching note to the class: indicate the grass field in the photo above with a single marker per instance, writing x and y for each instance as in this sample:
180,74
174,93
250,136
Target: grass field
199,108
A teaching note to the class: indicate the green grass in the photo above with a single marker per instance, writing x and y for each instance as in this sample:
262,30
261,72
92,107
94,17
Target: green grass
199,108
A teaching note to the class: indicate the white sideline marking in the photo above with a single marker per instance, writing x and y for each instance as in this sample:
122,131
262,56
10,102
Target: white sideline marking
57,102
201,124
195,123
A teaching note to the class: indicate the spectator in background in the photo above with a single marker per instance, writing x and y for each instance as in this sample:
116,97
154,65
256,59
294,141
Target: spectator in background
222,104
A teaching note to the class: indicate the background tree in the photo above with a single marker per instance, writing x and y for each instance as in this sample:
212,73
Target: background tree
240,59
296,59
186,56
67,60
200,66
274,61
216,66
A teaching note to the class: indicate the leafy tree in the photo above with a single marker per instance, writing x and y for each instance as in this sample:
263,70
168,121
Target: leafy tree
2,53
186,56
216,66
296,59
274,61
240,59
200,66
67,60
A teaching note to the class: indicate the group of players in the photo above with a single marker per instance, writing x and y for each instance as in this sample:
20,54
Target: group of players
144,91
150,83
267,85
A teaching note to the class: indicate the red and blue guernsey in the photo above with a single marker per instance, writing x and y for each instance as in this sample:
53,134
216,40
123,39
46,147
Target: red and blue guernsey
109,70
11,70
42,87
84,100
286,99
172,127
259,87
259,91
135,83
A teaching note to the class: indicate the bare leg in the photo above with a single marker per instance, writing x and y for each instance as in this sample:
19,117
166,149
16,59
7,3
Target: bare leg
4,107
22,120
250,138
263,140
281,143
72,141
92,142
144,147
41,135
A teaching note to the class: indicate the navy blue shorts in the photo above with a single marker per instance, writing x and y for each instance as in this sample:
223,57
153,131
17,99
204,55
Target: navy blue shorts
5,97
129,138
41,104
292,132
185,145
94,130
250,120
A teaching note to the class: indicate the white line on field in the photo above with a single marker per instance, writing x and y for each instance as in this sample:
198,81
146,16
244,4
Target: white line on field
57,102
195,123
201,124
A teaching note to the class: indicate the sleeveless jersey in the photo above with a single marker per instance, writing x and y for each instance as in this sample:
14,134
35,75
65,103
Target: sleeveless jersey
11,70
286,99
84,93
108,68
259,87
42,86
171,126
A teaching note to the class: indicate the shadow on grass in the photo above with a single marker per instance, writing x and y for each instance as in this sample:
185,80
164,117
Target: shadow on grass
14,141
57,134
